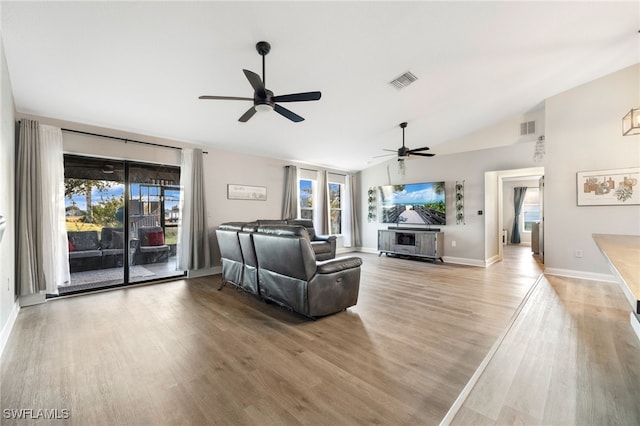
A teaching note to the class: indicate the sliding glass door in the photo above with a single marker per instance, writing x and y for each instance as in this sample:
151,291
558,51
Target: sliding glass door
115,243
154,194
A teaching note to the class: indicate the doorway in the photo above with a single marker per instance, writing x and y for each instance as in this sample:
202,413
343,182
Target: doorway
498,224
112,242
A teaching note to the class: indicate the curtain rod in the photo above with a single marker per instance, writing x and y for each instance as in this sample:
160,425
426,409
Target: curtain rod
315,170
125,140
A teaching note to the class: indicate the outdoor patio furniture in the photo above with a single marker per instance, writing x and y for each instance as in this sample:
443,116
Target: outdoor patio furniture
151,248
112,244
84,251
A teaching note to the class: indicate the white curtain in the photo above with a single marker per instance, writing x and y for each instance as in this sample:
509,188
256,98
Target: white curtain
56,256
351,229
290,205
41,241
193,250
322,221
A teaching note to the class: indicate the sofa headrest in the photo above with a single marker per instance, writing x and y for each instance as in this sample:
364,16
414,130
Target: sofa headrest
307,223
284,230
231,226
250,227
271,222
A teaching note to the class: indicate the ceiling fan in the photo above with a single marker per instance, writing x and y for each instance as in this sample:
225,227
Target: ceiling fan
404,152
263,99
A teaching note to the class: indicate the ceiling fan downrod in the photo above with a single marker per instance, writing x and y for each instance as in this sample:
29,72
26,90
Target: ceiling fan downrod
263,49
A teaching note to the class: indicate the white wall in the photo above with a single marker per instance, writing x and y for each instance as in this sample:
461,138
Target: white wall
584,132
8,302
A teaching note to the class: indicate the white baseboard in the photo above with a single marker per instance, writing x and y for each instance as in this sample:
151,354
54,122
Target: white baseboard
465,261
635,324
492,260
344,250
33,299
8,326
583,275
196,273
366,250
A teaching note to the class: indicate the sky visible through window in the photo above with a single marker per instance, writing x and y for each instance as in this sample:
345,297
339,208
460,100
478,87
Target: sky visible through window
117,191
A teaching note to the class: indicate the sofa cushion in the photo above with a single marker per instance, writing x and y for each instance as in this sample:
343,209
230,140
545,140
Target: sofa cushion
81,254
155,238
117,240
84,240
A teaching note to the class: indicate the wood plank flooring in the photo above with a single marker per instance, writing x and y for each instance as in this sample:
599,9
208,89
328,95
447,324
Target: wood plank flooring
570,358
184,353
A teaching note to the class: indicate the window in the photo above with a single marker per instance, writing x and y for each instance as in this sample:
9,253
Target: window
337,196
311,202
306,198
530,209
335,207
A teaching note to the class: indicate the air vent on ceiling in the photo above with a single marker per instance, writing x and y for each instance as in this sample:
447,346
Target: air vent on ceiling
404,80
527,128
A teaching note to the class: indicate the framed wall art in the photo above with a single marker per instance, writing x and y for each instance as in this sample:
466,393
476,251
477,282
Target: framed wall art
246,192
618,187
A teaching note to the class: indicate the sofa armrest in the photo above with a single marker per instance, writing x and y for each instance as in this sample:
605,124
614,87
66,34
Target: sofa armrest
328,238
337,265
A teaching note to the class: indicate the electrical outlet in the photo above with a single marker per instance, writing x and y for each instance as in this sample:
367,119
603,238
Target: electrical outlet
579,253
453,243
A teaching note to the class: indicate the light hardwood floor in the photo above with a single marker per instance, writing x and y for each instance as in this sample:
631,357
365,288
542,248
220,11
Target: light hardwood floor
570,358
183,352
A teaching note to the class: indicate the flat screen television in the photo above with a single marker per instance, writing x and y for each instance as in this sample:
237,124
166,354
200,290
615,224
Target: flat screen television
413,204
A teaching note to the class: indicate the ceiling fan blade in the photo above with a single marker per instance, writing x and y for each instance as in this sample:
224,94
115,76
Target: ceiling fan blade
298,97
288,114
247,115
255,81
228,98
390,150
424,148
421,154
384,155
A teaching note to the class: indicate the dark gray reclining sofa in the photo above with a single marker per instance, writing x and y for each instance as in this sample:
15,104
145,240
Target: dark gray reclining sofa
277,262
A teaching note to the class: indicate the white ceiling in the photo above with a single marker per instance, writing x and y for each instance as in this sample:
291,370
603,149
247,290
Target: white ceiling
141,66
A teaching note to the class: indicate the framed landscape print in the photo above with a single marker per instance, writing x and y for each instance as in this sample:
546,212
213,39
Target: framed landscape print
246,192
617,187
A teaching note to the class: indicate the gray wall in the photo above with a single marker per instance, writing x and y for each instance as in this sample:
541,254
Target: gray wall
583,132
8,303
468,166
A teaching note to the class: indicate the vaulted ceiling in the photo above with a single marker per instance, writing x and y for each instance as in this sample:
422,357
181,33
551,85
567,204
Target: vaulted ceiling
140,67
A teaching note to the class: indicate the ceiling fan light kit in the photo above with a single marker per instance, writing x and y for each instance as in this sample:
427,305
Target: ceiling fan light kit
263,98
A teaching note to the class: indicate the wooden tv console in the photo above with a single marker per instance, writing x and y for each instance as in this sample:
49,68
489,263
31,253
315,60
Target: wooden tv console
423,243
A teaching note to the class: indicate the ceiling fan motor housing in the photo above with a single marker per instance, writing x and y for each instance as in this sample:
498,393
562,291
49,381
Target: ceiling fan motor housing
263,103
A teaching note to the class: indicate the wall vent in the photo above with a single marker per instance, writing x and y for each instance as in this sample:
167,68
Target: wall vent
527,128
404,80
